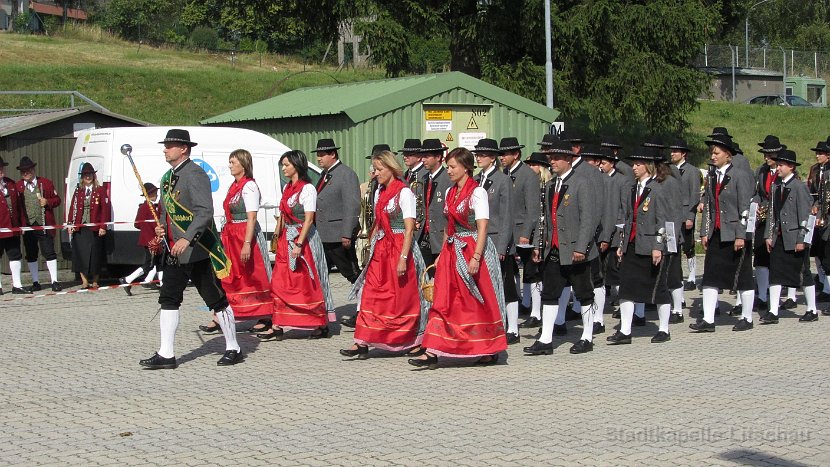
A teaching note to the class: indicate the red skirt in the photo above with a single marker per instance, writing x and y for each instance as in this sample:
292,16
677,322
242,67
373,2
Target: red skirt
459,325
298,296
390,305
247,286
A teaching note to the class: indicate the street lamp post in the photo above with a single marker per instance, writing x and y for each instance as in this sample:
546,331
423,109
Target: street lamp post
746,31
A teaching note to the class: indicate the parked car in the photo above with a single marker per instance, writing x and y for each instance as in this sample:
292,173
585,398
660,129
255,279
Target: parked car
789,101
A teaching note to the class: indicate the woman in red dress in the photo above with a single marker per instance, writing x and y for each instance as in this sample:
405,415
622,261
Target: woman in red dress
90,204
300,280
467,314
248,286
390,303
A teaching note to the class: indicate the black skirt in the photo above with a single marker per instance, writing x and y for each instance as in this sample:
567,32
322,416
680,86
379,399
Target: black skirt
612,268
791,269
87,252
675,276
725,268
508,275
641,281
760,255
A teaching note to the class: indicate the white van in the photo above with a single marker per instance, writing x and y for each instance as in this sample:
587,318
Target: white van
102,148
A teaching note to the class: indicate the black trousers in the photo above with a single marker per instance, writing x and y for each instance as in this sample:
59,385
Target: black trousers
508,275
151,260
203,277
688,240
11,246
555,277
344,258
39,239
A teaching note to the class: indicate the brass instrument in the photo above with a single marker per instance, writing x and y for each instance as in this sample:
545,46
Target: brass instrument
823,199
417,188
367,221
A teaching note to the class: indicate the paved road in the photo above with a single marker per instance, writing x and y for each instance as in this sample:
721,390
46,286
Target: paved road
72,392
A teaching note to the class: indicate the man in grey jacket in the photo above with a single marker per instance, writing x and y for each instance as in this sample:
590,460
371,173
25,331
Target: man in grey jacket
195,252
436,181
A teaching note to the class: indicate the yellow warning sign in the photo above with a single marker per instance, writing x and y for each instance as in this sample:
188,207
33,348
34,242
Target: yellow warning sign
472,125
449,137
440,114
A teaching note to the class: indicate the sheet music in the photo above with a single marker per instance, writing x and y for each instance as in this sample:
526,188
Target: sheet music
671,239
750,221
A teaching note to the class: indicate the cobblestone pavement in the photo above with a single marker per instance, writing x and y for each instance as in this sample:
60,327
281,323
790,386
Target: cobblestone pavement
72,392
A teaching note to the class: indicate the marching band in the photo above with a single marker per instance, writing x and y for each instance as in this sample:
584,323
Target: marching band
449,258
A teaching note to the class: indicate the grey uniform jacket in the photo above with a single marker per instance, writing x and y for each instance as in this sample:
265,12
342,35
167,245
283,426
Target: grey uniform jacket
525,199
190,185
791,205
737,190
618,192
674,195
576,218
338,204
500,226
598,187
653,211
690,182
436,218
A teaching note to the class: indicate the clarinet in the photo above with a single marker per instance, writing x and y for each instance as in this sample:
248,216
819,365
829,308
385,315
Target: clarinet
542,227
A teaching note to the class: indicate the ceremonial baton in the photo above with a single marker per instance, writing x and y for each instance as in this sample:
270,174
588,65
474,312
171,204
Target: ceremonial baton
127,150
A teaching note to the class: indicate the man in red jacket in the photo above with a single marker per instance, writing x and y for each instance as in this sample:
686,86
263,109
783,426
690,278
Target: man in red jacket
146,226
11,216
38,199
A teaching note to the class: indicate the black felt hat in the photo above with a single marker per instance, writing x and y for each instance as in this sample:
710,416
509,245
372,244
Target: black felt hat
724,142
591,150
432,145
411,147
325,145
487,146
177,135
538,158
26,164
87,168
821,146
647,153
378,148
719,131
680,144
612,143
511,143
559,147
771,144
607,153
549,140
786,155
150,188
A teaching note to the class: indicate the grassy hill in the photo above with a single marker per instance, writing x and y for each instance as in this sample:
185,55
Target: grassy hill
165,86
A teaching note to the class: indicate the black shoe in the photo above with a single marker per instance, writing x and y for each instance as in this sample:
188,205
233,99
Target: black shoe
349,321
212,329
416,351
825,312
717,310
323,334
151,286
532,322
157,362
743,325
361,352
276,334
823,297
760,305
488,360
431,362
618,338
582,346
265,323
523,310
123,282
809,317
660,337
598,329
638,321
689,285
21,290
513,338
539,348
702,326
616,314
56,287
788,304
768,318
560,329
231,357
36,287
676,318
736,310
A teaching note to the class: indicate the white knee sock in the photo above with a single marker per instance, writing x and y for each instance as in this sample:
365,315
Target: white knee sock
626,316
640,310
738,300
587,322
168,323
762,279
33,270
513,317
810,297
663,312
599,304
549,313
677,300
562,306
15,267
228,325
692,263
710,302
161,274
747,299
526,295
150,275
791,293
134,275
536,300
774,298
52,266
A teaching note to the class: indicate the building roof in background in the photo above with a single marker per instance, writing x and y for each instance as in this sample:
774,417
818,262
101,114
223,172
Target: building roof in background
17,123
363,100
55,10
761,72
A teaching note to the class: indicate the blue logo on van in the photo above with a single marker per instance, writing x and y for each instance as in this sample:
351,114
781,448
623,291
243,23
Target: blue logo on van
214,179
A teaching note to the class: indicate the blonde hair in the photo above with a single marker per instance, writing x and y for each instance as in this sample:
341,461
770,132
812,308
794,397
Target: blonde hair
245,160
387,158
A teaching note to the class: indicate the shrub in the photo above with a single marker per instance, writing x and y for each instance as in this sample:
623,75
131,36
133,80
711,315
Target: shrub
204,38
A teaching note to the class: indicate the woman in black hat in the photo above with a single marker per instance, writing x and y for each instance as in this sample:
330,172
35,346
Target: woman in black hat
147,240
89,205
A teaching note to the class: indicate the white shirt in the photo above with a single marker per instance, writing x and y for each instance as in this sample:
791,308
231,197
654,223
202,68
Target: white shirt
307,197
722,172
487,173
559,179
478,202
514,166
406,200
787,178
251,197
32,184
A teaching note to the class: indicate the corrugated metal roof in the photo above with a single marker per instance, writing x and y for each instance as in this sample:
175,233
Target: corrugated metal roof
18,123
367,99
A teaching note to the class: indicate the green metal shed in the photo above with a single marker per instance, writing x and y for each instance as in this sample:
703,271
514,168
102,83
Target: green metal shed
454,107
814,90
